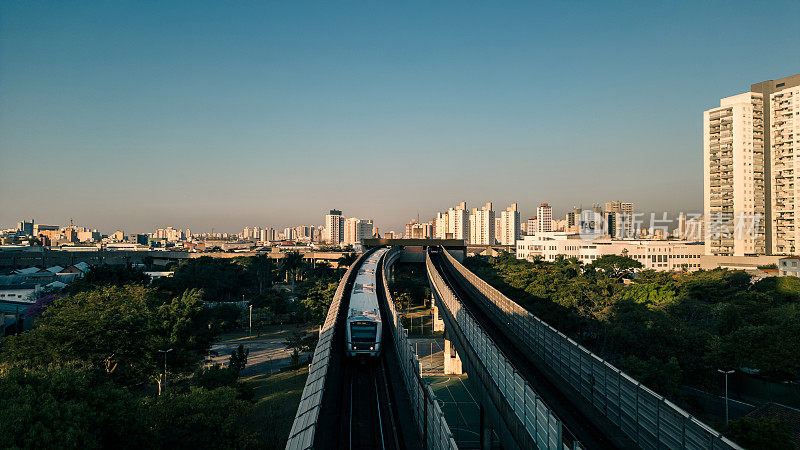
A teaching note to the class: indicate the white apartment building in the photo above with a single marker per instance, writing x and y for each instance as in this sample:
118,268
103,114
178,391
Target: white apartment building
658,255
532,225
509,225
733,182
544,218
619,219
481,225
356,230
440,226
458,221
749,161
334,227
784,141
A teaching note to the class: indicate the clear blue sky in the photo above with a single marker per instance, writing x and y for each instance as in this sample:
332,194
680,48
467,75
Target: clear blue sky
225,114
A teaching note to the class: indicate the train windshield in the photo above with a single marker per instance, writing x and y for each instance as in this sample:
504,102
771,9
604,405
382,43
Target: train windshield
363,331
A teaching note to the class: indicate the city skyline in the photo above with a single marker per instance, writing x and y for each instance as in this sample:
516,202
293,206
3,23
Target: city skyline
240,116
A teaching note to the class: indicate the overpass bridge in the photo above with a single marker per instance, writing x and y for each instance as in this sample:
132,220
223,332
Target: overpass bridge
536,387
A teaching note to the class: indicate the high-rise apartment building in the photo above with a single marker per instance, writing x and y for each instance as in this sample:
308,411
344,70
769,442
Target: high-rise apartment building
544,218
619,219
782,138
749,161
734,178
509,225
440,226
481,225
533,224
458,221
334,227
356,230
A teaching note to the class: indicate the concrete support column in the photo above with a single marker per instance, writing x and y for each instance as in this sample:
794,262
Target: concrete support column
486,430
438,322
452,362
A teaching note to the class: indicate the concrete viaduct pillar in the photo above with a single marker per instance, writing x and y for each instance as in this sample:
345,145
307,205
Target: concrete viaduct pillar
452,363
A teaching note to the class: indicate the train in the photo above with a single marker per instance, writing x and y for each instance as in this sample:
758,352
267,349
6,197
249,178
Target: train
364,331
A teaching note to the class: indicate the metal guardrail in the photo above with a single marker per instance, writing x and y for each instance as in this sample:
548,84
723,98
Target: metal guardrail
538,419
649,419
428,417
305,420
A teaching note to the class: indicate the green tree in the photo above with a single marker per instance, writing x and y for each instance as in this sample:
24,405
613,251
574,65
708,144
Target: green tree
106,275
199,418
109,328
318,300
766,434
300,341
663,377
238,359
69,407
616,266
291,265
347,260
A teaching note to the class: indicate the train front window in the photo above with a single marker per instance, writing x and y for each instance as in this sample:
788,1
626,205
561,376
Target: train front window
363,331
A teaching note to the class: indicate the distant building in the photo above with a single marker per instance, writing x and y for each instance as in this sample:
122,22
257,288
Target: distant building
356,230
619,219
653,254
334,227
458,221
531,225
481,226
25,228
509,225
544,218
789,267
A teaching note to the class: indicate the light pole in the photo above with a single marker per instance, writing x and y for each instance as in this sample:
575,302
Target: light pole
251,320
165,366
726,373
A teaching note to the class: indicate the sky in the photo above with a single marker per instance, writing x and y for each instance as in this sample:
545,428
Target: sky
137,115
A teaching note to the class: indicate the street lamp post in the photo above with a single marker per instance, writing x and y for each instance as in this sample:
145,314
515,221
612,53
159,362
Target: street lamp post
726,373
251,320
165,366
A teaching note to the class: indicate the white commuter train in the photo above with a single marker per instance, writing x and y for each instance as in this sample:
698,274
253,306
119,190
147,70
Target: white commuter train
363,337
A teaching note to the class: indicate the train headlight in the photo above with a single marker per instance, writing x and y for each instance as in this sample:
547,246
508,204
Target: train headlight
371,348
354,347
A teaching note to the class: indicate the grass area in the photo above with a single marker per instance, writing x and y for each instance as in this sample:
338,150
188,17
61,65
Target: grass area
268,332
277,397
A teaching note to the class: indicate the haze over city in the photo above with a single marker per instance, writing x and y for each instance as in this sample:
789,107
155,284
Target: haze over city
221,115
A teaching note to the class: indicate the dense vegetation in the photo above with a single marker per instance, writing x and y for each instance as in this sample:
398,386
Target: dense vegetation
666,329
88,373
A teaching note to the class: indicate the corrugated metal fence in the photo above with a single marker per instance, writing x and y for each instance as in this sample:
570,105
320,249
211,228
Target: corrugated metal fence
646,417
539,420
305,420
431,424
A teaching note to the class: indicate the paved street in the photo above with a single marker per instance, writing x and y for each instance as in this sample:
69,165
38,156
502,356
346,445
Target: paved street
267,354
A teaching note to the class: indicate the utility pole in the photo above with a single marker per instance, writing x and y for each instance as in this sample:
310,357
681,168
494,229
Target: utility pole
726,373
165,367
